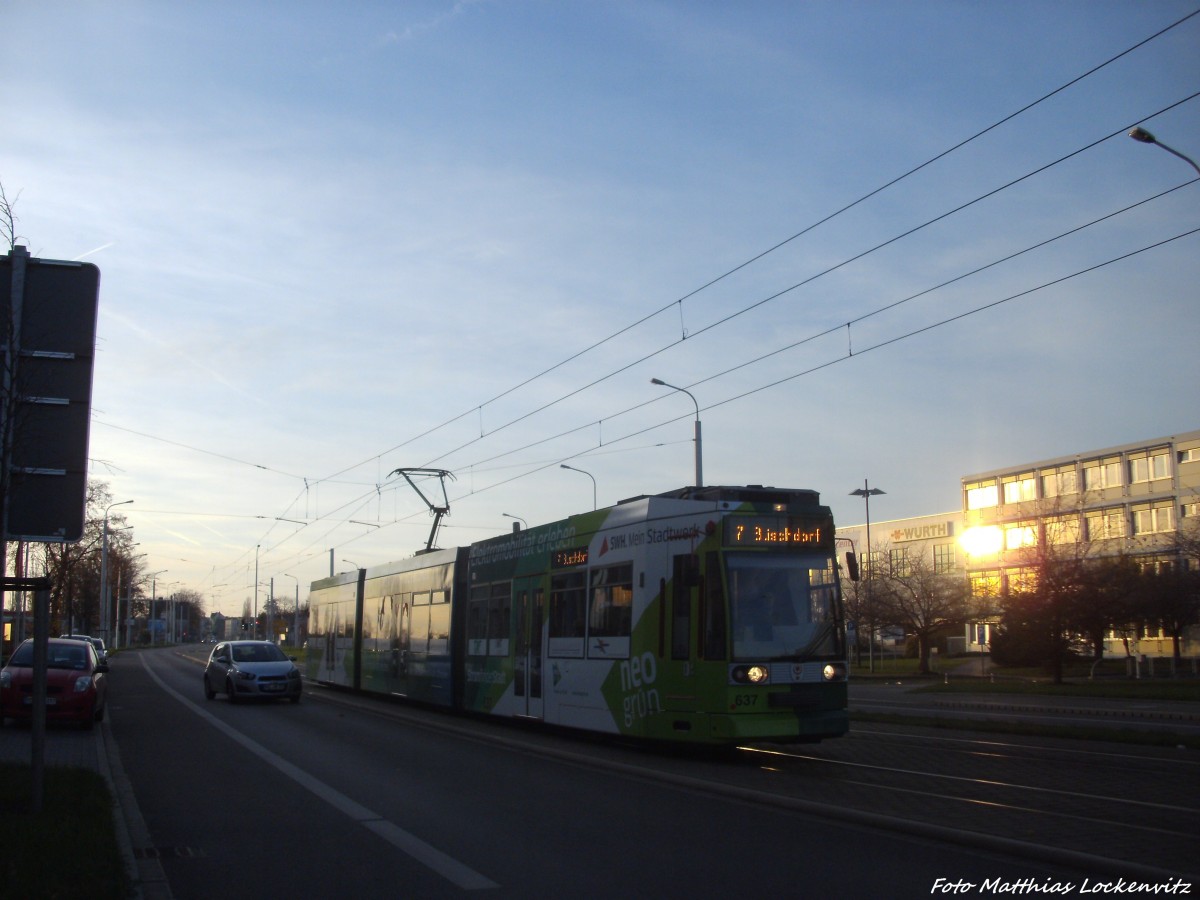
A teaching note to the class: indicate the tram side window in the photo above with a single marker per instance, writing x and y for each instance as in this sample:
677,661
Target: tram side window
499,618
439,624
822,595
568,601
681,608
612,602
714,609
477,609
610,618
419,627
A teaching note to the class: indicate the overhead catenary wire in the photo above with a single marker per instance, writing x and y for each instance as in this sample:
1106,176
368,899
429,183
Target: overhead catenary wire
786,241
681,300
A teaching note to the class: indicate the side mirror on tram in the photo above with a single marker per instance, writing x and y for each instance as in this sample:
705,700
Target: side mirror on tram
852,565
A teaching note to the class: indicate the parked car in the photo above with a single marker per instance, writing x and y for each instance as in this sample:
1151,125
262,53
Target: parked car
98,643
251,670
76,683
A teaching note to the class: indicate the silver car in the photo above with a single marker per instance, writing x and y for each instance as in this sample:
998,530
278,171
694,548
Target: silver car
244,670
98,643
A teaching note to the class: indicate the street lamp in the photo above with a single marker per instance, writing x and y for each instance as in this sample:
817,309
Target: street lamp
589,475
153,576
104,623
867,492
699,454
1141,134
524,524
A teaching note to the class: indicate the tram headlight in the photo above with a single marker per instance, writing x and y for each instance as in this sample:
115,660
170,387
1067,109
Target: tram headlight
750,674
834,673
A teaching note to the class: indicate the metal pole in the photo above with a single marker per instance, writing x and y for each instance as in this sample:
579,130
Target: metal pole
866,491
699,451
589,475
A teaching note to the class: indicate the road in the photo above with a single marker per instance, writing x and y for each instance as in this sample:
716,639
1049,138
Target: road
343,796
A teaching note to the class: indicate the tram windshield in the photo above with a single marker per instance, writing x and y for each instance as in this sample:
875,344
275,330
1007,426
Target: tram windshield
782,605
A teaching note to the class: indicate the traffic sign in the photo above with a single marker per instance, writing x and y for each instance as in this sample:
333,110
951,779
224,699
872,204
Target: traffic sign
48,344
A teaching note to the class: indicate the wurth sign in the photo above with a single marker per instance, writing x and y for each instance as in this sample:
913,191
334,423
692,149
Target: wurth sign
48,314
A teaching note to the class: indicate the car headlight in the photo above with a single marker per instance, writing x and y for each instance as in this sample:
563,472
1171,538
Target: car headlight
295,673
5,678
82,683
754,674
245,676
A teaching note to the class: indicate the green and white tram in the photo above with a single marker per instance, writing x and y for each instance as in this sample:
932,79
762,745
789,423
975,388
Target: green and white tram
706,615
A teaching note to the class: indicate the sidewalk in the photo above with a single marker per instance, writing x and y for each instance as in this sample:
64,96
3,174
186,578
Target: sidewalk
96,750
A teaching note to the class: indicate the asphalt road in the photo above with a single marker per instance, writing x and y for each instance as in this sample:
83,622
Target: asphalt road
344,797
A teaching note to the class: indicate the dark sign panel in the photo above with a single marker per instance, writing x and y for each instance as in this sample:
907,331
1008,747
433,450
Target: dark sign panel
49,313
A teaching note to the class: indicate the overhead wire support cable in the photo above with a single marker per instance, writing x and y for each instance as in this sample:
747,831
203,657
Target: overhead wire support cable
847,325
679,301
776,295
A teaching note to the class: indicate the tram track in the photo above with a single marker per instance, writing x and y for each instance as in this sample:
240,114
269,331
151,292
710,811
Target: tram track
1133,807
1136,828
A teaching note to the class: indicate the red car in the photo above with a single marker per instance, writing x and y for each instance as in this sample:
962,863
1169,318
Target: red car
76,683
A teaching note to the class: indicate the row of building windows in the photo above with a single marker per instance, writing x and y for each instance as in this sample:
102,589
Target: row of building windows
1091,475
1137,520
1111,522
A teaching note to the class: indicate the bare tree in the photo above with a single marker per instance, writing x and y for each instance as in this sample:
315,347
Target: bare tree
8,219
921,600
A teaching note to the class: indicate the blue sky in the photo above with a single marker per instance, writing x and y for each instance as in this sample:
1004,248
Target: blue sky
339,239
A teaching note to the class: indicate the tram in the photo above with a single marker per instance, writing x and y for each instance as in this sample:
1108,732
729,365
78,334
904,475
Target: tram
708,615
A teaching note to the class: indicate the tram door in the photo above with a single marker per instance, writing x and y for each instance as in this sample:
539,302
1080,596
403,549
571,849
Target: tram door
530,598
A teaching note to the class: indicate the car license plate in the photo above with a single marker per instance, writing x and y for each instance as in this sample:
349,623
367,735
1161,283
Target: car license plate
50,701
273,688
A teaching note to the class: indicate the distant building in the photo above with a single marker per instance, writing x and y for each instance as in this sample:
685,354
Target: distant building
1135,499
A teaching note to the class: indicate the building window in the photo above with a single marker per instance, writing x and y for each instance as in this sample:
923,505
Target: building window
1101,473
1059,482
1149,466
1021,581
985,584
1190,455
1190,510
899,562
1103,524
943,558
1151,519
1020,534
1019,488
1062,529
982,494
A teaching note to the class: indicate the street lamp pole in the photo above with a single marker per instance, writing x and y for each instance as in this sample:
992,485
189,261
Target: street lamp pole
516,526
104,602
1145,137
589,475
699,451
867,492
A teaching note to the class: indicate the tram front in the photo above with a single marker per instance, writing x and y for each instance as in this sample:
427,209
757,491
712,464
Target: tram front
786,671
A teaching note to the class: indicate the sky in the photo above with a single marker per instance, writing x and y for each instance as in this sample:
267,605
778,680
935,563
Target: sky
336,240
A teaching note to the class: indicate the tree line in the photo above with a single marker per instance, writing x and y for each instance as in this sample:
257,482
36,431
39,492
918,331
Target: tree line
75,574
1068,601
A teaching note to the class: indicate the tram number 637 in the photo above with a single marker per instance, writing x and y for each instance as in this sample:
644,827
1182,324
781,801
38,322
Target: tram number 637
745,700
